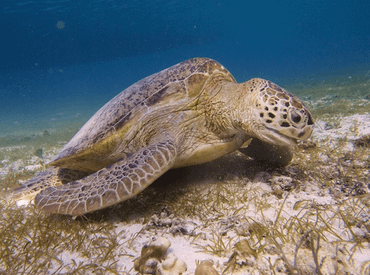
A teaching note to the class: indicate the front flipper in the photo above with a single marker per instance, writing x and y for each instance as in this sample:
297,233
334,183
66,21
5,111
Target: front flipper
267,153
52,176
110,185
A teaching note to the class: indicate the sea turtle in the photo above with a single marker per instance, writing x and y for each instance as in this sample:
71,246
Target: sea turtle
188,114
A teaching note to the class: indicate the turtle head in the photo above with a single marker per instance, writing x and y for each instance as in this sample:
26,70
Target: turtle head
279,117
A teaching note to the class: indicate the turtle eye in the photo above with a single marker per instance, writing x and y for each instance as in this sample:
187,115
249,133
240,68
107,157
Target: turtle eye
295,116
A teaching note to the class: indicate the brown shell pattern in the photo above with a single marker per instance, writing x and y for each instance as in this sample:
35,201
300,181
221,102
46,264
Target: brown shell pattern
183,80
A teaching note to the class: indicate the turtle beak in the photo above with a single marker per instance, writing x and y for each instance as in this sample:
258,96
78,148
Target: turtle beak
275,137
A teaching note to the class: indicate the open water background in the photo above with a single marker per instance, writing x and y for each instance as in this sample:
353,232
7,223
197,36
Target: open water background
61,60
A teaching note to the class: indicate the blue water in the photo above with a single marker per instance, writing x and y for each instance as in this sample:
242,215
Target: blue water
64,59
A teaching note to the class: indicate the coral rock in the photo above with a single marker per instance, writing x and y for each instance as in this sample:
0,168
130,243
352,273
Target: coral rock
206,268
154,259
172,266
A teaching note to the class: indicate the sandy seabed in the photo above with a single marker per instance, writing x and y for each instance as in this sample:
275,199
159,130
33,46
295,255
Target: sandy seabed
311,217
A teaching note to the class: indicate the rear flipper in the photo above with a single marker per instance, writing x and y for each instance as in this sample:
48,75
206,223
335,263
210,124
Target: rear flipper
268,154
53,176
110,185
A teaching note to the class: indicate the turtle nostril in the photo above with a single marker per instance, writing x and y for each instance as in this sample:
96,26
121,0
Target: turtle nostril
296,117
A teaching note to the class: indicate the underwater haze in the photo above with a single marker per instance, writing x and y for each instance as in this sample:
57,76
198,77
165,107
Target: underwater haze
62,60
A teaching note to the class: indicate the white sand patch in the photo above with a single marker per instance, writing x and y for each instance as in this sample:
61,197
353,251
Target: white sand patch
21,203
350,127
33,167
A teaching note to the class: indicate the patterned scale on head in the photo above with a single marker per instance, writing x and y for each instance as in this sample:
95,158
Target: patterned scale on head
281,110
